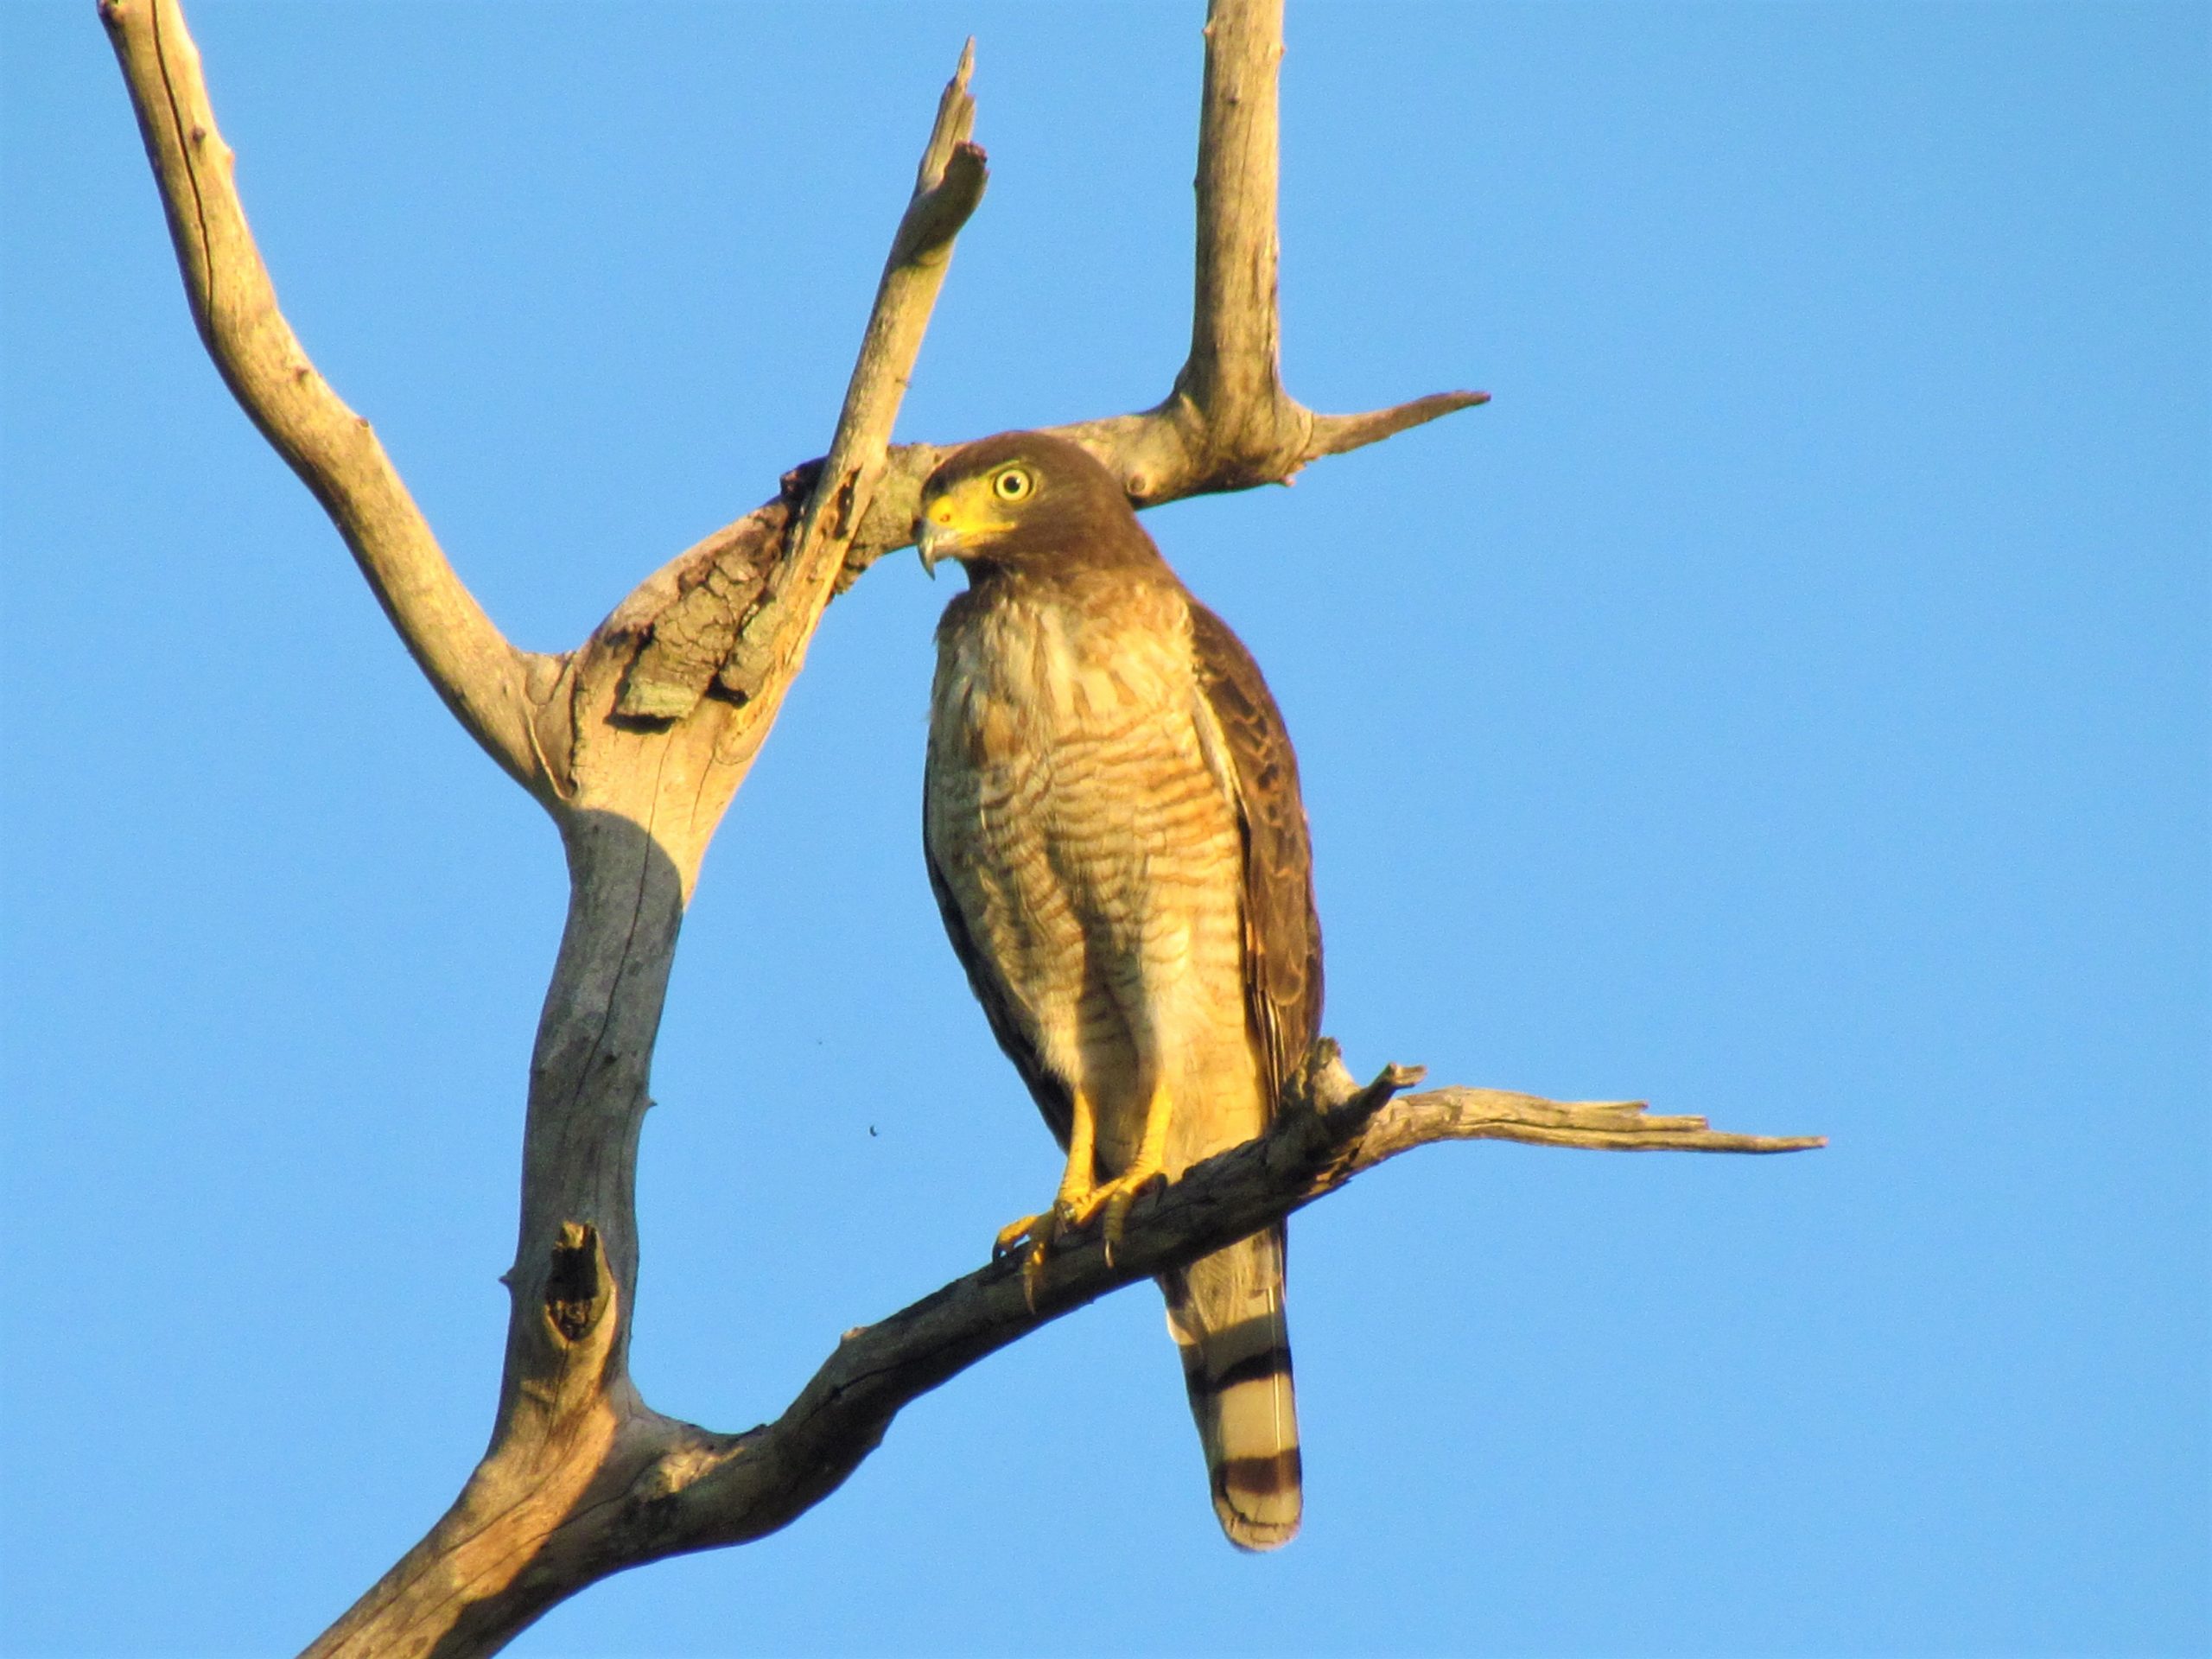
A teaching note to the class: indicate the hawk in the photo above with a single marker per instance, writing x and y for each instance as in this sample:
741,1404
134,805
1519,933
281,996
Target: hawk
1116,840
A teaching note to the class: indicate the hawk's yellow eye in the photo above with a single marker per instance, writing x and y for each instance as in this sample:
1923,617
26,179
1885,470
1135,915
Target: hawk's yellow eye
1012,484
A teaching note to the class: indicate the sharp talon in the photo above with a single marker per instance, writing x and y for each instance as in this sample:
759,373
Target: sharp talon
1011,1237
1033,1236
1113,1200
1117,1216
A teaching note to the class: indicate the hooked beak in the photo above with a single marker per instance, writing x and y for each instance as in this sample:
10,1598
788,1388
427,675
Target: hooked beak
929,541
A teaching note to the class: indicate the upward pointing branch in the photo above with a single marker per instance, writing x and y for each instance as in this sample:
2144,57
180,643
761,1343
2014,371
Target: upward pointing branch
483,679
948,184
1235,366
1228,423
671,675
1228,409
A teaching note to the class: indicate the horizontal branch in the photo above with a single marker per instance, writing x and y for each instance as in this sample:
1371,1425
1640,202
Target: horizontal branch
1169,453
711,1491
1335,435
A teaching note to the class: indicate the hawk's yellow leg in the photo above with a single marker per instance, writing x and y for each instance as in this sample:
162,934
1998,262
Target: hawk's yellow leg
1077,1184
1114,1196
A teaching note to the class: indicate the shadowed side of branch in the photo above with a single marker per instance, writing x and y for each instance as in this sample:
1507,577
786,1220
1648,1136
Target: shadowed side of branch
643,770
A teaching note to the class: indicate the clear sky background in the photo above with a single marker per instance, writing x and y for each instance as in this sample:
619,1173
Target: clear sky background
1786,702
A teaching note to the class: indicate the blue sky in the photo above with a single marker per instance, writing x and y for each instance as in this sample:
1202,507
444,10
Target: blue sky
1786,702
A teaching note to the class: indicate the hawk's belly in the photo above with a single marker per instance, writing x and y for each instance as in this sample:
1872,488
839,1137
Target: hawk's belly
1080,812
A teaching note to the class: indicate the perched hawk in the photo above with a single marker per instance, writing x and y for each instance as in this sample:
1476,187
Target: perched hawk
1116,840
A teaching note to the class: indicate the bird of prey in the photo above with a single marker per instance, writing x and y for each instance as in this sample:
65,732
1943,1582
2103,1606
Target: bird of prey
1117,845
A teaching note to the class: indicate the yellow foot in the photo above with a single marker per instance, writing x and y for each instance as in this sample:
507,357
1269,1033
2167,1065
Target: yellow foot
1114,1197
1030,1229
1033,1236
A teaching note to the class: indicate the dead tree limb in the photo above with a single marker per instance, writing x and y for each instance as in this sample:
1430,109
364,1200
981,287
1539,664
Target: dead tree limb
1227,421
484,680
665,686
686,1490
635,742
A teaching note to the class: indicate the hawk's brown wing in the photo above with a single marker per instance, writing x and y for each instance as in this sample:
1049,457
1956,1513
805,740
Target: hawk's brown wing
1283,934
988,981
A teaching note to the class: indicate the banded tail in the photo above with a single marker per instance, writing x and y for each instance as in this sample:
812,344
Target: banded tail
1225,1313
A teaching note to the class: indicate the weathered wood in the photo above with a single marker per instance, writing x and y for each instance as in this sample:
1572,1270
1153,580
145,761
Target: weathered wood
636,742
486,682
767,647
665,1488
637,792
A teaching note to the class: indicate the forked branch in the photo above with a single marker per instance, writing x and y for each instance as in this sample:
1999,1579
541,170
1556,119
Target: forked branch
668,679
1229,412
1227,422
636,742
667,1488
642,787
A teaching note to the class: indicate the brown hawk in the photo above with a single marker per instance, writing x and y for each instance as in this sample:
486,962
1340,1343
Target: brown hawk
1116,840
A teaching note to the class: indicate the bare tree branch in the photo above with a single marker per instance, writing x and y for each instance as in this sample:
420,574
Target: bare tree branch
643,767
1247,428
1234,374
484,680
667,684
1227,423
667,1488
713,1492
637,741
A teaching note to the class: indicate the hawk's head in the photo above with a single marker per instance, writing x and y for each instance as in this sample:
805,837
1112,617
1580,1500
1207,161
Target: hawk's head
1027,501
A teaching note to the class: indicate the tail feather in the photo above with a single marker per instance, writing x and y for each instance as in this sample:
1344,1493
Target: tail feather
1225,1313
